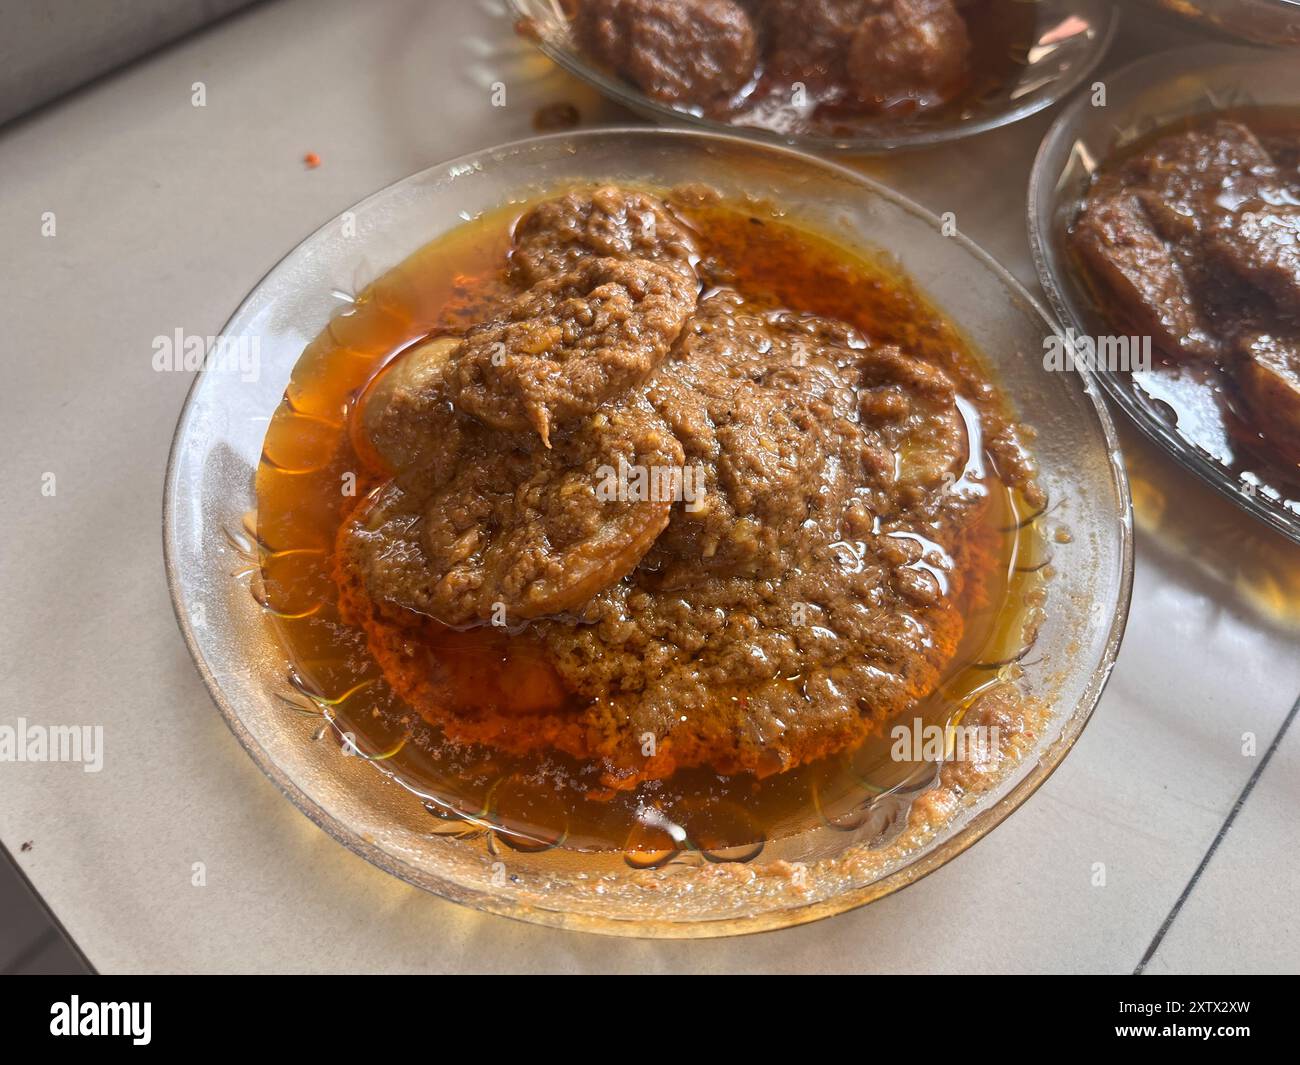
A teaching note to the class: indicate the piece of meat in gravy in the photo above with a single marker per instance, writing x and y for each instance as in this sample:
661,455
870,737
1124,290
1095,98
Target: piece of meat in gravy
1190,180
808,40
680,51
908,49
1268,378
1219,190
570,344
884,49
1117,241
609,222
1260,243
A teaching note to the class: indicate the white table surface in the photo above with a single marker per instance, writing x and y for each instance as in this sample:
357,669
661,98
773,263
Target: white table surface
167,214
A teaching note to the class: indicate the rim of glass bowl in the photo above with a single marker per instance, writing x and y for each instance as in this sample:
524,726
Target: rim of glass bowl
1047,207
1022,778
1230,19
1106,15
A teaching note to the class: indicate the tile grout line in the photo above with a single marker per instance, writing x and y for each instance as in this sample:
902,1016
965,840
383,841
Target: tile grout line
1163,930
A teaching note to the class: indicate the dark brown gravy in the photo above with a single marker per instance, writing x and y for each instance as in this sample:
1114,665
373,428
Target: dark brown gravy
311,477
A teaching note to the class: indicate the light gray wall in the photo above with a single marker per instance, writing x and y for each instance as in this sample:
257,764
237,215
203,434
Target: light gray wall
50,46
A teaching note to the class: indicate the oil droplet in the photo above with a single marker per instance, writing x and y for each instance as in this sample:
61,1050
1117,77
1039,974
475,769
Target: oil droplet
653,842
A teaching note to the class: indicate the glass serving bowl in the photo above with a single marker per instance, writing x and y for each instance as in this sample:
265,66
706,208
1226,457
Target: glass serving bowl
212,552
1261,21
1143,97
1069,39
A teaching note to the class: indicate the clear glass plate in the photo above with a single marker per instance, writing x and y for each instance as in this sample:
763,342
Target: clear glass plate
1262,21
1069,40
1143,97
211,552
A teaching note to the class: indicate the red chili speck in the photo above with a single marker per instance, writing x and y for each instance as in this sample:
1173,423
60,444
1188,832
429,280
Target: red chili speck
312,160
